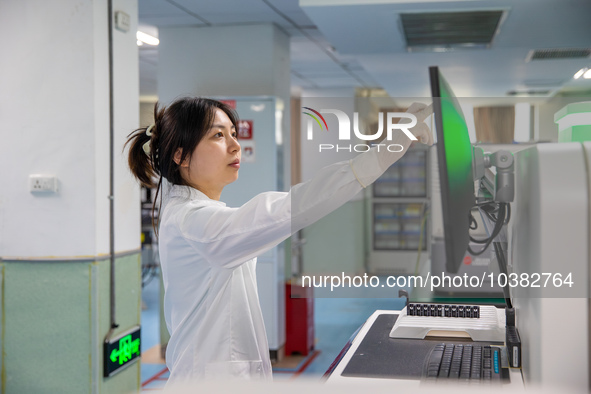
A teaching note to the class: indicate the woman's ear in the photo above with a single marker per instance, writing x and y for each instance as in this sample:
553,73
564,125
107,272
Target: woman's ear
177,158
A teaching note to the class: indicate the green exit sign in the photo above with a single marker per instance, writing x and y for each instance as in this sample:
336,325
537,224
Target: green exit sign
122,351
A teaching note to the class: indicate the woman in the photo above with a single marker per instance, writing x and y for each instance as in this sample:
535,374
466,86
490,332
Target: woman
208,250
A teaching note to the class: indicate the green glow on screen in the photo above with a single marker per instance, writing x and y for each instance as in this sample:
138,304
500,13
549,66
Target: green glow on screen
458,149
457,184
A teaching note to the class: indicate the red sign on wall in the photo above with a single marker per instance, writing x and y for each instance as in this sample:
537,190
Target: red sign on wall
245,130
229,103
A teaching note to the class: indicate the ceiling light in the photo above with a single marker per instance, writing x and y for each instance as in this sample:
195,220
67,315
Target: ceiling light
139,43
579,73
147,39
587,74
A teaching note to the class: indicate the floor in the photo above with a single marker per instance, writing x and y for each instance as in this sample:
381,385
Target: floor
336,320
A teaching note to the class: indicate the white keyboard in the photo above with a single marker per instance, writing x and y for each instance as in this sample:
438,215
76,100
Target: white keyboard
480,323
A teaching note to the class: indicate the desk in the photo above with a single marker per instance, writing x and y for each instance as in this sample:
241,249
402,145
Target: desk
381,363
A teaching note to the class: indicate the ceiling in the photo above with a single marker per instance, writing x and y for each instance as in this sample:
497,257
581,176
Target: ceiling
362,44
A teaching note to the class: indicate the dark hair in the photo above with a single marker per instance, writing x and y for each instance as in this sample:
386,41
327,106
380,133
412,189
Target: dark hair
181,124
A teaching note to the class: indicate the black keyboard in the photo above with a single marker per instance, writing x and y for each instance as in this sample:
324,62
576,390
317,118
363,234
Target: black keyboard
443,310
468,362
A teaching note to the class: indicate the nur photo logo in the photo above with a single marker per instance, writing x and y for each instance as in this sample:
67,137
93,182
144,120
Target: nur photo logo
343,132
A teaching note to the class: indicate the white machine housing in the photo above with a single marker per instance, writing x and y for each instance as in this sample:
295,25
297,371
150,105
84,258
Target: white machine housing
549,233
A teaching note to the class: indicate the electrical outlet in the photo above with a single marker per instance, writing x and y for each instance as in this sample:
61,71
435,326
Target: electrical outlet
42,183
122,21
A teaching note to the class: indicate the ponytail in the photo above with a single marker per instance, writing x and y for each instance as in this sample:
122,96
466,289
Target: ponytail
143,159
140,159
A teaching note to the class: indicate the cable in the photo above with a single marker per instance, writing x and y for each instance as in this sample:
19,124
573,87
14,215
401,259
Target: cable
499,221
425,214
482,205
149,272
487,202
503,268
473,221
112,311
491,217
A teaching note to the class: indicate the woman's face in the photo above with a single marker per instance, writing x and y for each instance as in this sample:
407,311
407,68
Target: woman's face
216,159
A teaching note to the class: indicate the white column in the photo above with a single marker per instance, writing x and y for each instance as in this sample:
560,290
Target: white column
54,247
54,120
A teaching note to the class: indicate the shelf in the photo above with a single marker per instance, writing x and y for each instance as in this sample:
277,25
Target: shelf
396,211
388,217
394,232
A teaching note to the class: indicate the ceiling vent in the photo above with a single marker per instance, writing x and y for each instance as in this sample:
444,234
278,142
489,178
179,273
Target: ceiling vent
558,53
444,31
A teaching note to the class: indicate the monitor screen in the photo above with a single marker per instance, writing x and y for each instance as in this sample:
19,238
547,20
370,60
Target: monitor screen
454,153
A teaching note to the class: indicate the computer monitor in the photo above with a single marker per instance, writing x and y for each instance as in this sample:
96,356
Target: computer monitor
454,153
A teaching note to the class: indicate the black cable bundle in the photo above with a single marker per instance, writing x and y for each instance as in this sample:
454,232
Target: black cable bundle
499,213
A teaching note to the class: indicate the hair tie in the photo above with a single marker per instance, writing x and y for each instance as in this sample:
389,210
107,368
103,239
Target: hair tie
146,146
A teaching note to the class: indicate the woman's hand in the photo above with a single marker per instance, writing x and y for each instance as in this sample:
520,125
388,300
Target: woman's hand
368,166
421,130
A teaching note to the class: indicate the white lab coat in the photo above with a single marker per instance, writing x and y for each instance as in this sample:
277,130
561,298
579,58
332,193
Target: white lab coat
208,257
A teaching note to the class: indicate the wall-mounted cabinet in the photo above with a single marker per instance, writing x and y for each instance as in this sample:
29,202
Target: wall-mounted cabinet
397,205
